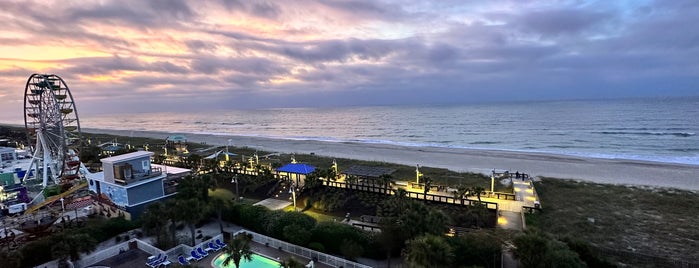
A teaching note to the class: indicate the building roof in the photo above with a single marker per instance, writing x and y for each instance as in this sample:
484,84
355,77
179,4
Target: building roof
126,157
171,169
366,171
177,137
297,168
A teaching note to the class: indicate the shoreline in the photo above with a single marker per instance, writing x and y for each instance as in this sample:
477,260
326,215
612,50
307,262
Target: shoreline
598,170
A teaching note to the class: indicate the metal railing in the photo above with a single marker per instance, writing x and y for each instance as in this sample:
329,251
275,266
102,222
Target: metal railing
304,252
104,254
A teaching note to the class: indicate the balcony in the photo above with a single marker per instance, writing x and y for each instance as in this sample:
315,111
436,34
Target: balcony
139,176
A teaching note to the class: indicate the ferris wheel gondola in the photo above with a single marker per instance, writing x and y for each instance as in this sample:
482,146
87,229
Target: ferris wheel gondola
52,124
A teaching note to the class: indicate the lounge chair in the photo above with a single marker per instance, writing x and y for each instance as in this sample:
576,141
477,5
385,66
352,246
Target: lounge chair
182,260
202,252
195,255
220,244
158,262
154,258
213,247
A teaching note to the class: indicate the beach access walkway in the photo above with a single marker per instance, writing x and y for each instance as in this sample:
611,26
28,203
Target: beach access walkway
524,194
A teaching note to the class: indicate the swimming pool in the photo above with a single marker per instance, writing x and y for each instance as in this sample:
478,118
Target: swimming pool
257,262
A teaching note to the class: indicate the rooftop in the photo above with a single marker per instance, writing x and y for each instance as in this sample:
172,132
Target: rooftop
297,168
171,169
367,171
126,157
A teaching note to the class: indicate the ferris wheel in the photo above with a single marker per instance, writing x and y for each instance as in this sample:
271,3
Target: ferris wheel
52,124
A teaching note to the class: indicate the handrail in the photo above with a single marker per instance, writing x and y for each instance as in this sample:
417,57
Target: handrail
55,198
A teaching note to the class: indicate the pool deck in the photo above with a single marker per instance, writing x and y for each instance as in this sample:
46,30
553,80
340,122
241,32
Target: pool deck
137,258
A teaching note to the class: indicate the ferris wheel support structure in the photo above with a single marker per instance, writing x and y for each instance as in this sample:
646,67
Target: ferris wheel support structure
52,124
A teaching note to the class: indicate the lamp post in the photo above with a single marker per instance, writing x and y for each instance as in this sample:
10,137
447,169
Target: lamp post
292,191
235,180
63,206
417,174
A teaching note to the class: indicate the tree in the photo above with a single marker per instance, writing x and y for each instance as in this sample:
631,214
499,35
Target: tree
428,184
390,237
217,205
238,249
68,246
351,249
428,251
477,191
189,211
386,181
154,223
480,248
10,259
535,249
290,263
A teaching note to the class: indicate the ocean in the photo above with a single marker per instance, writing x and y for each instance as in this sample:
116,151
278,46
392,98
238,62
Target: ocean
658,129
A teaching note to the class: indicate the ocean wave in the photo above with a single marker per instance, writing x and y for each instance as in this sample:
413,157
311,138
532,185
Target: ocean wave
484,142
647,133
232,124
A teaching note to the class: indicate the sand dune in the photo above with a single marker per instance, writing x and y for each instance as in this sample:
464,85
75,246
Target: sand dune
614,171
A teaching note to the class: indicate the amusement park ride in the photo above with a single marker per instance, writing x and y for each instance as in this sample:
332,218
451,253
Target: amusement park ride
53,129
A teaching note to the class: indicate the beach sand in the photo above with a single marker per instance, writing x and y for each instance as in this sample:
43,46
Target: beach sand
612,171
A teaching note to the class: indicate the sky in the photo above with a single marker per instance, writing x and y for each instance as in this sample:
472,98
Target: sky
175,55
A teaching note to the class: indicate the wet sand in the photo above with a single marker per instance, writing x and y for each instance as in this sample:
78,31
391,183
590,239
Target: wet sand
612,171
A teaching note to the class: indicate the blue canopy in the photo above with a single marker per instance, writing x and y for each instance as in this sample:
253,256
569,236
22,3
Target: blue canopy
297,168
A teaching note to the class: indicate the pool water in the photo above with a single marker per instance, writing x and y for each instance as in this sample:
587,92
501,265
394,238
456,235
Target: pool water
257,262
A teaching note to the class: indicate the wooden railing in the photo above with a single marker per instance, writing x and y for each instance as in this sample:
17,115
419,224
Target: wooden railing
423,196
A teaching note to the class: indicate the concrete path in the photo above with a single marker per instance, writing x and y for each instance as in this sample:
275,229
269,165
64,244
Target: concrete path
274,204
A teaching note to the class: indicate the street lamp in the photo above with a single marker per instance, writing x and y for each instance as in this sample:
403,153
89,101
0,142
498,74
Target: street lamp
292,191
235,180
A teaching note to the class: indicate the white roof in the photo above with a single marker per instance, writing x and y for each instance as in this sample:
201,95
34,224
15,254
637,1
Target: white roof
126,157
171,169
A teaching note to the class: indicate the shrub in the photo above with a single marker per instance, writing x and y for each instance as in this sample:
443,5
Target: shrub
316,246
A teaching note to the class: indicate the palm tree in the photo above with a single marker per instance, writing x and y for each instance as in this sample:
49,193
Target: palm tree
217,205
428,251
386,181
68,246
477,190
153,222
190,211
428,183
290,263
238,249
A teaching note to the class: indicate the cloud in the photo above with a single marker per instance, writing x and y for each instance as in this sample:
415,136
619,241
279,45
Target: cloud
222,53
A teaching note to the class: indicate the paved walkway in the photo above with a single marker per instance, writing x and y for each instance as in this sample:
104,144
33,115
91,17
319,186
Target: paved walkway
273,203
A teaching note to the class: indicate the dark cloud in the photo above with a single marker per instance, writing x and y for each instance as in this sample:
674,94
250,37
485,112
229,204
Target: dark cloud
107,65
396,52
215,65
556,22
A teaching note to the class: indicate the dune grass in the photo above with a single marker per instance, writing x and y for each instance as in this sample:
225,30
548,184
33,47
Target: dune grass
657,222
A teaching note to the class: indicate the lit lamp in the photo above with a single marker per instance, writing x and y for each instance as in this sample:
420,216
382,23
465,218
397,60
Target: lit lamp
292,191
234,180
417,174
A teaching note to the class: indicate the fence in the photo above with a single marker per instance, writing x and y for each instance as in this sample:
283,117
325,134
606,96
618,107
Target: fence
112,251
423,196
304,252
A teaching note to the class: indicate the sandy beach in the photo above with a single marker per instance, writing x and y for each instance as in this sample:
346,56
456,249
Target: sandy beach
613,171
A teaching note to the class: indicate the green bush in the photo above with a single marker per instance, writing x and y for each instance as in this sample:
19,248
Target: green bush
332,235
316,246
278,221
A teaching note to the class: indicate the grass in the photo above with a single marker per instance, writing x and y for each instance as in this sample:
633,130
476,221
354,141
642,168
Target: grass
223,194
658,222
